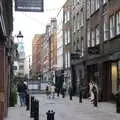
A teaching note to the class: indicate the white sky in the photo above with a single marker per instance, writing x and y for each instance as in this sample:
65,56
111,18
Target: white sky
33,23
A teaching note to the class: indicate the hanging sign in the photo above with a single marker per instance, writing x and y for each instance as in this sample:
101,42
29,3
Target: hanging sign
29,5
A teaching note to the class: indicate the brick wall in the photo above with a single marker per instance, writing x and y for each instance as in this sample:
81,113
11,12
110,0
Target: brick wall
3,82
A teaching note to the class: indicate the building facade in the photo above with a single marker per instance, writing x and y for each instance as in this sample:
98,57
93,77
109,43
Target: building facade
36,54
60,40
53,48
98,45
103,26
67,31
45,54
6,55
78,43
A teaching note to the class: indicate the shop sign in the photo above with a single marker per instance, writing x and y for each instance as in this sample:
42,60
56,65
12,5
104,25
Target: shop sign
29,5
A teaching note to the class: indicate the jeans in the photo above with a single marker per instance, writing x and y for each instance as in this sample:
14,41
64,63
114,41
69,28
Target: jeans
22,98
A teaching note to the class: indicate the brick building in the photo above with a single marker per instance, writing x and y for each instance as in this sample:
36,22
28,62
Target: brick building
36,53
6,55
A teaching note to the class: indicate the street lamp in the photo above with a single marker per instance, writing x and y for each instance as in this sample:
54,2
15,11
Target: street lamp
21,60
20,36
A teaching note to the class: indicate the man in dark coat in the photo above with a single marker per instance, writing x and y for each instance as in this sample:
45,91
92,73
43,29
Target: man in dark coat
22,89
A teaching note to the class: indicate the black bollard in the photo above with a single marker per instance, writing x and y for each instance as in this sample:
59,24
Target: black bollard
52,115
48,115
70,93
70,97
36,110
118,102
32,107
63,94
80,96
27,101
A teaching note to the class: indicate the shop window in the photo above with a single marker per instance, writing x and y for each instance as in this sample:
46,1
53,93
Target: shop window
118,75
114,78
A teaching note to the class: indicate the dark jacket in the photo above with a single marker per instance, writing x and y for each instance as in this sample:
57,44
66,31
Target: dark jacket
21,88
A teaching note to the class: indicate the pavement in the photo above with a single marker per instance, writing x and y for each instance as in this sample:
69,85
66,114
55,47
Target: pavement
67,110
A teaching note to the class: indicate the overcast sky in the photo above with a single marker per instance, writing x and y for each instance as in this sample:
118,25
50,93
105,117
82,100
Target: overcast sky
33,23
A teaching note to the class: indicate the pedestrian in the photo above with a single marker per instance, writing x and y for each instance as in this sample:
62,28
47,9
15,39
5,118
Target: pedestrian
22,90
70,93
53,91
63,90
47,90
95,92
91,95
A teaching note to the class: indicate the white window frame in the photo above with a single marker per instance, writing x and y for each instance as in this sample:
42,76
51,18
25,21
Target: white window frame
81,18
88,9
78,21
118,23
82,47
68,35
65,37
106,30
74,26
92,2
112,26
104,1
97,4
97,35
88,37
93,38
68,58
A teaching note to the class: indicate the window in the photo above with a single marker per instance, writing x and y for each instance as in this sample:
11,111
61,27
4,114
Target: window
21,67
65,17
93,38
14,67
77,45
78,22
68,15
88,37
112,26
65,37
88,8
82,47
82,18
104,1
74,47
97,35
68,36
74,27
68,58
97,4
105,28
118,23
92,6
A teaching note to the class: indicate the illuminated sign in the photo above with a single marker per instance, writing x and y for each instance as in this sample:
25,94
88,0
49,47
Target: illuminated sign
29,5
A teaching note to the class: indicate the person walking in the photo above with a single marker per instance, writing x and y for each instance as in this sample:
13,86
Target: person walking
22,90
53,91
91,97
95,92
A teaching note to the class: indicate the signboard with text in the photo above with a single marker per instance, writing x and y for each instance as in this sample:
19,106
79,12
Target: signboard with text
29,5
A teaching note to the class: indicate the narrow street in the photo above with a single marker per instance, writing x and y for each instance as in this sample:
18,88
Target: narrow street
67,110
